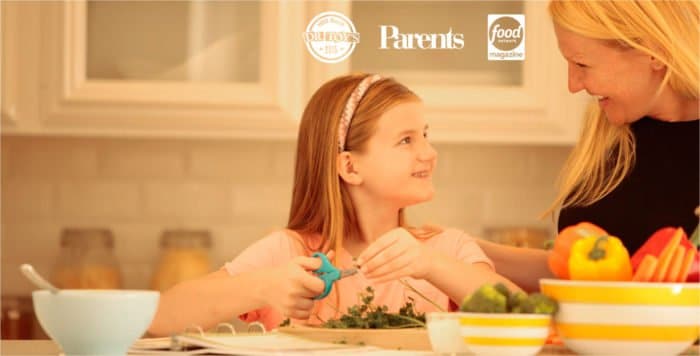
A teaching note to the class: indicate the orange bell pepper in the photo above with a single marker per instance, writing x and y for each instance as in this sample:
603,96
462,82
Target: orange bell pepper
558,259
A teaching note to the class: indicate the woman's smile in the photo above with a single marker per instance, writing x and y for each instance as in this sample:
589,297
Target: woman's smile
422,174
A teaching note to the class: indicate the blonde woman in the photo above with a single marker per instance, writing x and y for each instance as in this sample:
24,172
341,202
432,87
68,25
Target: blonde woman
363,155
635,167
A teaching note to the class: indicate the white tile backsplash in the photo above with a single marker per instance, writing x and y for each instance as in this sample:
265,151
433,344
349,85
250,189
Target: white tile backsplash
51,158
96,198
233,162
262,202
239,190
283,163
27,199
489,167
188,201
142,159
137,242
517,206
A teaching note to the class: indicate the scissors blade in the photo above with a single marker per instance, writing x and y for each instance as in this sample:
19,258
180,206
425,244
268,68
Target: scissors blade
347,272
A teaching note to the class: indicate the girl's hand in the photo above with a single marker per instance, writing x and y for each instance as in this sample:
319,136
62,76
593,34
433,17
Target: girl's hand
291,288
394,255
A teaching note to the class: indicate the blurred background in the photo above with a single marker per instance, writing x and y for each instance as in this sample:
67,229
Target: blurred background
144,143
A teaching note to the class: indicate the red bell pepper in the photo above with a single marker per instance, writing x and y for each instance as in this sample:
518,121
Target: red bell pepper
656,243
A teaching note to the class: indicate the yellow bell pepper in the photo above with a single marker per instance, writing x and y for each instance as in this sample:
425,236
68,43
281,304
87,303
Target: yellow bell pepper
599,258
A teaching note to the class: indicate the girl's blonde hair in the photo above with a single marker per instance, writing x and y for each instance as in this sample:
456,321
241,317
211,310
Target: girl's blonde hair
321,205
666,30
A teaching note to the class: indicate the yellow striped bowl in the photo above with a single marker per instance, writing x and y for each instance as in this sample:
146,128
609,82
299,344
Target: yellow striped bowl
625,318
504,334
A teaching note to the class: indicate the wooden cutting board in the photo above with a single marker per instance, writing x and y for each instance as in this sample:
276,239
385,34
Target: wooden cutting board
395,339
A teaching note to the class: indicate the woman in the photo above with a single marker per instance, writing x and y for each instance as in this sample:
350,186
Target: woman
635,167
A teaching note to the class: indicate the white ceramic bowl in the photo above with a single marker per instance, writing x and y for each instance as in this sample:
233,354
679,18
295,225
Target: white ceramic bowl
444,333
95,322
625,318
504,334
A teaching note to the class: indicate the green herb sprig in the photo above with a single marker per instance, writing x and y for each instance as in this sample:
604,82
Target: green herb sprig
369,316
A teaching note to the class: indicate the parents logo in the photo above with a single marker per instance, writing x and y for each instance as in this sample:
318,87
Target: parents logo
506,37
391,34
331,37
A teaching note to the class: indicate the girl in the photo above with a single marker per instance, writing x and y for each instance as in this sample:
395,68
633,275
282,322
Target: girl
362,157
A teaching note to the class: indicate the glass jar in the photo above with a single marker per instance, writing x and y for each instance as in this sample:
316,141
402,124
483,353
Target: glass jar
184,255
87,260
519,236
17,317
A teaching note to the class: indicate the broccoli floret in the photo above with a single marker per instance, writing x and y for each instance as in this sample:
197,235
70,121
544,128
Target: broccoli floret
515,300
539,304
501,288
486,299
498,299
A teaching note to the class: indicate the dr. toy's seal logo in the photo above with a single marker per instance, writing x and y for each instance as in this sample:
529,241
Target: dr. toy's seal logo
506,37
331,37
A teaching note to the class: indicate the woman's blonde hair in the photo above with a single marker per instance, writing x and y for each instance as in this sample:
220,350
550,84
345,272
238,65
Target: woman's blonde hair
666,30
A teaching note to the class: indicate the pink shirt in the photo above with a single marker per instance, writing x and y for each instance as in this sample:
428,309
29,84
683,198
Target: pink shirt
279,247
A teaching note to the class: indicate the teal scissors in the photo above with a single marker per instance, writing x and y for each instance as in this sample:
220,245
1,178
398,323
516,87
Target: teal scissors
329,273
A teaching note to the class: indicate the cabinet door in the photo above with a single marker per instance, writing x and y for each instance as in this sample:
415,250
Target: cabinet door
9,65
20,34
204,68
468,98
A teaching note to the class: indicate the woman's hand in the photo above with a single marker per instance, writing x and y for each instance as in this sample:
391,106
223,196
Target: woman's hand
291,288
394,255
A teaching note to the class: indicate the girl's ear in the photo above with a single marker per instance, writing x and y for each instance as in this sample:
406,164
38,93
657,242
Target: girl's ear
347,170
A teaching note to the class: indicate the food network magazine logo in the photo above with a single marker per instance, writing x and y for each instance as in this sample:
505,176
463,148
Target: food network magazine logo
506,37
331,37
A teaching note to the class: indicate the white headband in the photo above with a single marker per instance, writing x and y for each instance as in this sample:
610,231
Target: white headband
350,107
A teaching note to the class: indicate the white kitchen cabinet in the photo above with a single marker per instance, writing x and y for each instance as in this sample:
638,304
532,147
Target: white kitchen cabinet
165,68
468,98
19,80
241,69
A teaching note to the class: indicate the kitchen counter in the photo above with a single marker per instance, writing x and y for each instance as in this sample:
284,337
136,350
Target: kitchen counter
49,348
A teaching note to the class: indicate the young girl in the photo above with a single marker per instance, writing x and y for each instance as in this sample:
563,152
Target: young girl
362,157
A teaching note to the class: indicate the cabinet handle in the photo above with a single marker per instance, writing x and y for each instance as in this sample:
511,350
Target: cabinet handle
9,114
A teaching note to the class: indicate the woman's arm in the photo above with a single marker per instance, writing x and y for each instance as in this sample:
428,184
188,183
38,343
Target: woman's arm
523,266
445,271
398,254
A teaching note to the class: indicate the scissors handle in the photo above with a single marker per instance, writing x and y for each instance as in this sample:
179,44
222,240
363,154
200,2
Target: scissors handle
327,272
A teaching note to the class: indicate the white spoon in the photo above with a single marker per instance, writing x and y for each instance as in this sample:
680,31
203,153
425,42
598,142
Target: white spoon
37,279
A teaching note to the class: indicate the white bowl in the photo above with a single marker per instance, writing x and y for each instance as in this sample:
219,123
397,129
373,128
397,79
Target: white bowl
625,318
504,333
95,322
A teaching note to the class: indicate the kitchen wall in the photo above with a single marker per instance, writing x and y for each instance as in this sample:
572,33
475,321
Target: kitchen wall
239,190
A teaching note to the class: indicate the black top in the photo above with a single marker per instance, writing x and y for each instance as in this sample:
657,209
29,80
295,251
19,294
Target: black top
661,189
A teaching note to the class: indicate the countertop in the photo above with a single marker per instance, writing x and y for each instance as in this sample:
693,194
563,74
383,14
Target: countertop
49,348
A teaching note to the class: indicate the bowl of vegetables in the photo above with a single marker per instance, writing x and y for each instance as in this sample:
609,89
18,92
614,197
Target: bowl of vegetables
611,303
625,318
495,321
